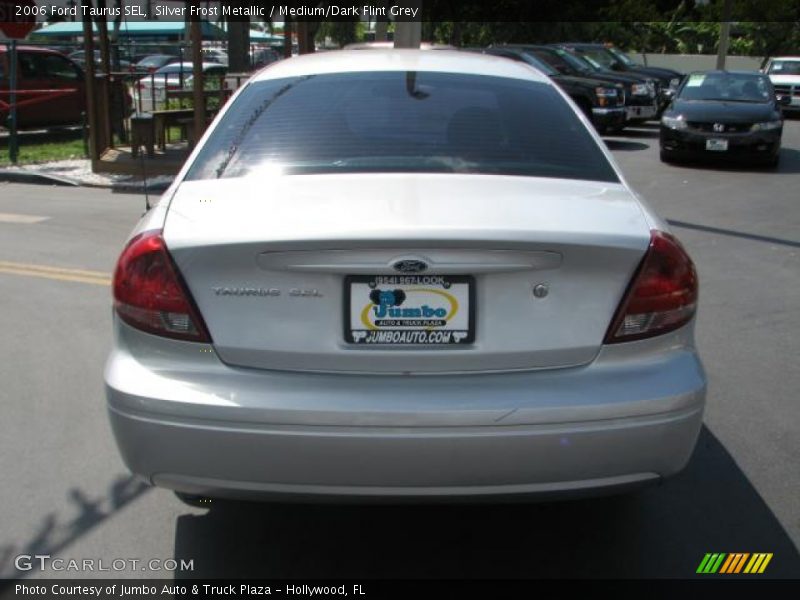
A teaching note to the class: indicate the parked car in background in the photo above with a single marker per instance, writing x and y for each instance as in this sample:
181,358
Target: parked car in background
613,59
784,73
150,92
215,55
51,86
152,63
261,57
640,90
602,102
461,297
79,56
730,115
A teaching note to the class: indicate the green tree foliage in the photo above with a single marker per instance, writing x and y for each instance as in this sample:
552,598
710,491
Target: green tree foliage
760,27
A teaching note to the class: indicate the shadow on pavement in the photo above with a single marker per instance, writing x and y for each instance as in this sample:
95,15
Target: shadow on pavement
660,532
55,533
789,164
639,132
624,145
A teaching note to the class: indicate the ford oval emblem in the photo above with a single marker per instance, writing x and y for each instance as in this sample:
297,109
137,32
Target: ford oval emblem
410,266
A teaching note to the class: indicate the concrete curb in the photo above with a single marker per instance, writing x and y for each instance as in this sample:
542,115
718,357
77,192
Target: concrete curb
137,187
122,187
21,176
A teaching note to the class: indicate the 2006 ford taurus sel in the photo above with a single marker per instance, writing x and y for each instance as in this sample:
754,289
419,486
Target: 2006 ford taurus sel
403,274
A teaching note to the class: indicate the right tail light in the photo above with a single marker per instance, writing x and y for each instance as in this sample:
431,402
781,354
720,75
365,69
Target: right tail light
662,295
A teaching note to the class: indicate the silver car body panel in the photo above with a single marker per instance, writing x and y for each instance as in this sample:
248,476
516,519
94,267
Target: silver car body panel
584,239
185,420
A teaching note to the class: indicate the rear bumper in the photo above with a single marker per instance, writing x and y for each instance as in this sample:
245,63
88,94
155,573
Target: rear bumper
237,460
198,426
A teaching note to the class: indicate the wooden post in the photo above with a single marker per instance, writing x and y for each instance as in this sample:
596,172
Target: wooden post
238,44
104,110
198,80
287,38
88,47
407,34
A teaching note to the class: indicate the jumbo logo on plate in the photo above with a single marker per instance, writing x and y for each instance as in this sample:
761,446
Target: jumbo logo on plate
409,309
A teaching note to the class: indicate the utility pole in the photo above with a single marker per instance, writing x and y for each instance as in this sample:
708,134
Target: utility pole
724,34
407,34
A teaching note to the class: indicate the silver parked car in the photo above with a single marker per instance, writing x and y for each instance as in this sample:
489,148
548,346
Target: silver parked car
403,274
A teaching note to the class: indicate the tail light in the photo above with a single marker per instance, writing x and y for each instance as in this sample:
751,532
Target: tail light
149,293
662,296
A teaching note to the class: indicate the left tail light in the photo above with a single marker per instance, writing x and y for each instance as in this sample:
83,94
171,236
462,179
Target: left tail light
150,294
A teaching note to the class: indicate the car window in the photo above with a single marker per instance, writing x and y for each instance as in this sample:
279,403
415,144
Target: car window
57,67
732,87
176,68
401,122
30,66
784,67
597,57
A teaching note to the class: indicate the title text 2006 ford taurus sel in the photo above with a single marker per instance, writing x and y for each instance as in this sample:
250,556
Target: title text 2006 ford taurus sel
402,274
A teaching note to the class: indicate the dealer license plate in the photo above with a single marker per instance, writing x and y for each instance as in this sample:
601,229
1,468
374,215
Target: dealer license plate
398,310
640,112
717,145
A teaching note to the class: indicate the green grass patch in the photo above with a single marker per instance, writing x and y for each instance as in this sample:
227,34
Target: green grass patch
39,151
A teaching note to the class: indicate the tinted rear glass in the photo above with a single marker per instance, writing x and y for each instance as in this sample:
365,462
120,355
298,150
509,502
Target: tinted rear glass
401,122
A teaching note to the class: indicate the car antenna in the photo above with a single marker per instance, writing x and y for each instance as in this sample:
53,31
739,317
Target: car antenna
144,182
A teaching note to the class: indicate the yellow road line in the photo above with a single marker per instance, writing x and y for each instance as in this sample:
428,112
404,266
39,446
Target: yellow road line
58,273
22,219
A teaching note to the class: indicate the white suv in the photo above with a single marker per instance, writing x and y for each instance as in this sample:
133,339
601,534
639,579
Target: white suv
784,72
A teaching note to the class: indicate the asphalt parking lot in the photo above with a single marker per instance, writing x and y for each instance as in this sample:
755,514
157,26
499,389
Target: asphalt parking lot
66,493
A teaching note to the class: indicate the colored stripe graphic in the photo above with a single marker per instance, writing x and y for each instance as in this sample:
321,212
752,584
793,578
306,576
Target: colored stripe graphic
758,563
711,563
733,563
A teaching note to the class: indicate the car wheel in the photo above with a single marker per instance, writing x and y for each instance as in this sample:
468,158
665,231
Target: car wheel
666,157
194,500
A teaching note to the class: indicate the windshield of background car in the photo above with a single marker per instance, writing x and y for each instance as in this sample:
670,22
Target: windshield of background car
401,122
153,61
576,62
731,87
623,57
176,68
784,67
600,57
537,63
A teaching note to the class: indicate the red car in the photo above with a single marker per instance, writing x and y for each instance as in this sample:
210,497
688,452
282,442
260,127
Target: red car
50,87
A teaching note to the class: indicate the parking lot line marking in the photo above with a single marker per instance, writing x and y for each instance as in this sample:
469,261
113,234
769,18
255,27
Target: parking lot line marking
58,273
23,219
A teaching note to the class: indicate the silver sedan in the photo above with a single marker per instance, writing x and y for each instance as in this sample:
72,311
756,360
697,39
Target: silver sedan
403,274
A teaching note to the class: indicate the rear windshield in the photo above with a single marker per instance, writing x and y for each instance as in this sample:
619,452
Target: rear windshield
401,122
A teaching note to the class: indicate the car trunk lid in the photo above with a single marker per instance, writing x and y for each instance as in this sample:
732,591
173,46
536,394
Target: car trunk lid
268,263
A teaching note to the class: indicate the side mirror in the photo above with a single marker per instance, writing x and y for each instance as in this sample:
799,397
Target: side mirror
784,100
617,67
